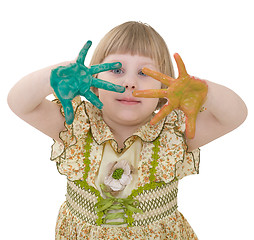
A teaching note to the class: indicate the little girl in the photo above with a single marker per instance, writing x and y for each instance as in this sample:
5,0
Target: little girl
122,172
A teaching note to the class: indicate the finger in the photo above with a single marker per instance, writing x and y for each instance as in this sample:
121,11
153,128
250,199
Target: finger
180,65
190,126
83,52
150,93
191,108
90,96
68,111
165,110
98,83
104,67
167,80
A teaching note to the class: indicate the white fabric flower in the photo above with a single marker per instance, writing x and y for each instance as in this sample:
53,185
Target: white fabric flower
119,176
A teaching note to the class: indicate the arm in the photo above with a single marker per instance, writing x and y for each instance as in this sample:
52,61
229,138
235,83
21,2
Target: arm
225,111
27,99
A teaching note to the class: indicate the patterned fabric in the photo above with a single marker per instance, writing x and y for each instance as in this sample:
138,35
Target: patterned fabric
155,204
173,226
163,160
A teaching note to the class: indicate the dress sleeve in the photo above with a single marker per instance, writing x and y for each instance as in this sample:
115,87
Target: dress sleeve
68,153
175,161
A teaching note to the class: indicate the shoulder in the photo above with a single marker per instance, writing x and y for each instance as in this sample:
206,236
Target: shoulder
80,122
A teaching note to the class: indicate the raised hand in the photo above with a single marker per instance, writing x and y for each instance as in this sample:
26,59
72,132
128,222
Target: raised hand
76,79
186,93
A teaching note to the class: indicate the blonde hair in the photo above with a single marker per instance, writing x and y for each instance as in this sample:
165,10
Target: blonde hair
136,38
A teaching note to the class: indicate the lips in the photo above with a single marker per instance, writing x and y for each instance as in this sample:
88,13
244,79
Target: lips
129,101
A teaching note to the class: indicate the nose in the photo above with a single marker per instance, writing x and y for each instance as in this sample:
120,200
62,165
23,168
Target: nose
130,84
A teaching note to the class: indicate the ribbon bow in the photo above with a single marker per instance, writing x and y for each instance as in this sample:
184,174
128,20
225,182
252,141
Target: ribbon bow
112,203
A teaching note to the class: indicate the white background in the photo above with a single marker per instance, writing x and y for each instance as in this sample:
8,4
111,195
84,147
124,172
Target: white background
215,40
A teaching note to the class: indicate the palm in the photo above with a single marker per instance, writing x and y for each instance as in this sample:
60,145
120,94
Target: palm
186,93
77,79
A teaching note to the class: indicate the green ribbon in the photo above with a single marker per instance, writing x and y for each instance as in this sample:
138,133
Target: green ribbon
112,203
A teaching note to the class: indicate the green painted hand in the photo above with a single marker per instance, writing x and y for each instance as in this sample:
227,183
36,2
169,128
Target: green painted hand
76,79
186,93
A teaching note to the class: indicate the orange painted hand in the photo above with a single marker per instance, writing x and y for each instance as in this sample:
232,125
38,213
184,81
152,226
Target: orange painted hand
186,93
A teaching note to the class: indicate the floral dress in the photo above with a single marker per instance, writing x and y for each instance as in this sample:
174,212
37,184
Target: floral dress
128,193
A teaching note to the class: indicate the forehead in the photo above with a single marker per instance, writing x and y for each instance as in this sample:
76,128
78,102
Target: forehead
129,58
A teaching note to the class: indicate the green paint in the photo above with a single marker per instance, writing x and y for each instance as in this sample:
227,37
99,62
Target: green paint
77,79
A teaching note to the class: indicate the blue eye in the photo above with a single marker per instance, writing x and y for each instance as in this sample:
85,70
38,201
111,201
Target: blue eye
141,73
117,71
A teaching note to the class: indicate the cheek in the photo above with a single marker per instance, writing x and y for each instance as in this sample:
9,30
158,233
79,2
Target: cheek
101,94
106,76
152,84
107,96
157,84
150,103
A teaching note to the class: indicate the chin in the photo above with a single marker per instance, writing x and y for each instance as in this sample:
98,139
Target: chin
129,118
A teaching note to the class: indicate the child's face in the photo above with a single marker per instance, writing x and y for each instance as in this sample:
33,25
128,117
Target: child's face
123,108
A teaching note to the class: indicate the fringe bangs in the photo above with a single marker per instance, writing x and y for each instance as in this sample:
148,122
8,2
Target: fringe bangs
132,38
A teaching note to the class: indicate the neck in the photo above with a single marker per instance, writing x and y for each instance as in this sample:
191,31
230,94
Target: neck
122,132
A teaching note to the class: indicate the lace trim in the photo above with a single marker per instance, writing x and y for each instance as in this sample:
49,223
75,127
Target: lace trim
155,158
83,183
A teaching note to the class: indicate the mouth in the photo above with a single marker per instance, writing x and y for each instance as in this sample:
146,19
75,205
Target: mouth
129,101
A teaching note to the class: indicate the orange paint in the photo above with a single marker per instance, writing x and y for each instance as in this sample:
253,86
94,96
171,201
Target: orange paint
186,93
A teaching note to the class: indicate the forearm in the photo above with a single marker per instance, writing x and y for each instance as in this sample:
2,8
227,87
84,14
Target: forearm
31,90
225,105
